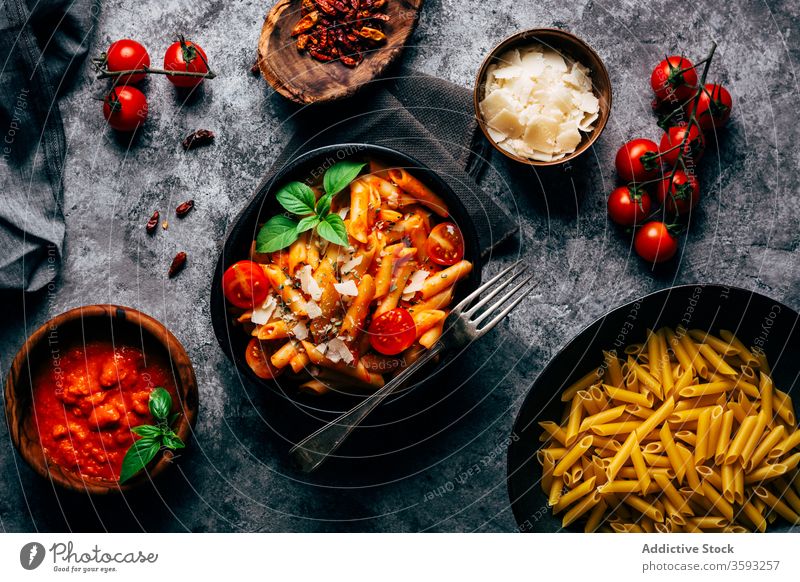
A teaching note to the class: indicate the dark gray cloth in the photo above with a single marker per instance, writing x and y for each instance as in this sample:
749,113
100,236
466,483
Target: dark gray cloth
42,43
427,118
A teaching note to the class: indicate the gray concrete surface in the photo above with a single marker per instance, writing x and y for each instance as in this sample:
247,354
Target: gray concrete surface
451,477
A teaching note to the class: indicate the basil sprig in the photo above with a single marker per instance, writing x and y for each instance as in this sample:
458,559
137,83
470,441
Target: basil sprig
153,437
298,199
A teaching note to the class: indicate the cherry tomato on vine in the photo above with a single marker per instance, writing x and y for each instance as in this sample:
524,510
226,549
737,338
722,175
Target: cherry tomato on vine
713,107
245,285
680,193
637,161
671,140
628,206
184,55
392,332
126,55
125,108
257,355
674,79
655,243
445,244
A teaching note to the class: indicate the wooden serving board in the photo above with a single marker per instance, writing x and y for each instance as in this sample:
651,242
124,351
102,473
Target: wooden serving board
300,78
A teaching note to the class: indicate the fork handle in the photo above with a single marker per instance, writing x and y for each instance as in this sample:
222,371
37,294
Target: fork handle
312,451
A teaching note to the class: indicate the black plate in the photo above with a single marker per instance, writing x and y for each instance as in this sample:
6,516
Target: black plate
755,319
263,206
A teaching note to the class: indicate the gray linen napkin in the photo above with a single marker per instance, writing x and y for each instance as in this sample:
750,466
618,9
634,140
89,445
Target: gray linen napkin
427,118
33,144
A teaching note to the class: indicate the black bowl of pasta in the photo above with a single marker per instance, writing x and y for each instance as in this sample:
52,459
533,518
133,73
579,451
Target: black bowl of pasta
339,272
674,413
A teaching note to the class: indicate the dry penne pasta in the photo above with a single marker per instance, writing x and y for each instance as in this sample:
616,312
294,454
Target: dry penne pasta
692,435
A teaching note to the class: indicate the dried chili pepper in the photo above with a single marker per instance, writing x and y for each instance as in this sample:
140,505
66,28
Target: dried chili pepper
152,224
199,138
178,263
184,208
343,29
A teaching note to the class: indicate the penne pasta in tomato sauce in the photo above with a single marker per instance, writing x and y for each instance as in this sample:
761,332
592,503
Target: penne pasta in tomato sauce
333,316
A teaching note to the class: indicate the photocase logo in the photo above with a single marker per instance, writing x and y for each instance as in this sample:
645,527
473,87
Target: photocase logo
31,555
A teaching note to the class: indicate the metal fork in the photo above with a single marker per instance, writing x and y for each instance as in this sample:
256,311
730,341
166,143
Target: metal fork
462,326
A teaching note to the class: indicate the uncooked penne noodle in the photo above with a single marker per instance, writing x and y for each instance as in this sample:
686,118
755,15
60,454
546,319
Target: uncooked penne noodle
777,505
613,369
744,354
752,441
767,444
715,360
706,389
573,495
765,473
703,428
621,395
574,419
555,431
674,456
639,466
653,356
786,445
621,456
575,453
738,442
765,388
603,417
581,384
646,378
782,404
724,348
713,432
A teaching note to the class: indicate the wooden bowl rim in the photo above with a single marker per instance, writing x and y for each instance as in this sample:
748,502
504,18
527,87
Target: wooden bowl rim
531,35
176,354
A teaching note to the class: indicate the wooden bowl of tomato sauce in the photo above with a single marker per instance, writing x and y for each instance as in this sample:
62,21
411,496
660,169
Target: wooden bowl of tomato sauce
82,381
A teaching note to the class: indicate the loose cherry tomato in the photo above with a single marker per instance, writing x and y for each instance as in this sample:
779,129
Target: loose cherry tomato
245,285
184,55
680,193
628,206
674,79
392,332
654,243
125,108
257,355
671,140
127,55
636,161
445,244
713,107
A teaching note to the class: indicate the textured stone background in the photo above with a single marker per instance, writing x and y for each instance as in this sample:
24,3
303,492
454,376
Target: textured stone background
234,477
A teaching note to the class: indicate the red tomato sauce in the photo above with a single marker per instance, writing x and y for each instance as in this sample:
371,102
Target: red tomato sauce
88,399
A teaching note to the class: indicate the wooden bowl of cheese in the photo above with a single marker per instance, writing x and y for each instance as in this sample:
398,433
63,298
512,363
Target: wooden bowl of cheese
542,97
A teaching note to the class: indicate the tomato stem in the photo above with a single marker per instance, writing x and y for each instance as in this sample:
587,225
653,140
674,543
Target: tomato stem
106,74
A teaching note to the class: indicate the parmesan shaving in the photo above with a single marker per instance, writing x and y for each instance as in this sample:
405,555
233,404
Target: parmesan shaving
308,284
348,288
338,351
263,314
300,330
352,264
312,309
414,284
538,104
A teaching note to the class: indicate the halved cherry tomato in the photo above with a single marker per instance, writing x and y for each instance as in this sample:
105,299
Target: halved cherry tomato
655,243
125,108
245,285
674,79
671,140
713,107
184,55
127,55
628,206
257,355
636,161
680,193
445,244
392,332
